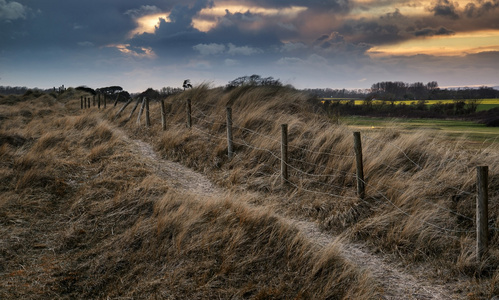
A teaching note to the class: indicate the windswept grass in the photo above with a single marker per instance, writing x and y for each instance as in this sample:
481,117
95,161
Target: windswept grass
420,184
83,215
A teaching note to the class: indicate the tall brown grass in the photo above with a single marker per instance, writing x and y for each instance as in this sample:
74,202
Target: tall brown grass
84,215
421,187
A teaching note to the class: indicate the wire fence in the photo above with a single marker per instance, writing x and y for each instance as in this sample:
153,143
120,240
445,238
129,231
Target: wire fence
316,179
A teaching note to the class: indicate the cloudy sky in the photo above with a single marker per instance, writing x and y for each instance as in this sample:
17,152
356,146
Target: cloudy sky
307,43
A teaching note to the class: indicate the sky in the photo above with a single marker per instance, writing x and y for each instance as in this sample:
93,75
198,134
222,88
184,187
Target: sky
306,43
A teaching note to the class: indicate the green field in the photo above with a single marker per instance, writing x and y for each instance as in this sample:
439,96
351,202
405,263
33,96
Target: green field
485,104
453,129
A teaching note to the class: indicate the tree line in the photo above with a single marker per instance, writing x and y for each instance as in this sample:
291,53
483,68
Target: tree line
397,90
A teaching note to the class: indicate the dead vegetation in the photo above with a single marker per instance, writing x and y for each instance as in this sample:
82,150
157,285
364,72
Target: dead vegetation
83,215
421,188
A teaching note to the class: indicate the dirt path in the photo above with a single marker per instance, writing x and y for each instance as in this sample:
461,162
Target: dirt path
396,283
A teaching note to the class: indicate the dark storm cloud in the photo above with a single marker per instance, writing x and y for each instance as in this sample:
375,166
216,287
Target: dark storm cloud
235,28
372,32
334,45
176,38
473,11
54,23
335,6
445,8
433,32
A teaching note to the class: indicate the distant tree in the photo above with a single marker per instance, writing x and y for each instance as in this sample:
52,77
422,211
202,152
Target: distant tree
187,84
110,90
167,91
86,89
253,80
472,104
150,94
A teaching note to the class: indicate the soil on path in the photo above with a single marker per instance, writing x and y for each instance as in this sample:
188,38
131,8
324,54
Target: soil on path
394,281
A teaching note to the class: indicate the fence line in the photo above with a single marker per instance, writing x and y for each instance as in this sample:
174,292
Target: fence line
285,165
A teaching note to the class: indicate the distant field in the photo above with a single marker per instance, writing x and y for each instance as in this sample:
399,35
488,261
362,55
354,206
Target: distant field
485,104
455,129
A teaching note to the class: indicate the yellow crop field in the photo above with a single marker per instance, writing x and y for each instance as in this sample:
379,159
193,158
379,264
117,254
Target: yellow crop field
485,104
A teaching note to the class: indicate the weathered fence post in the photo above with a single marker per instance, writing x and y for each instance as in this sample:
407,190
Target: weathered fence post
133,110
148,118
141,110
163,115
482,212
105,100
123,108
361,189
230,145
188,109
98,101
284,154
87,102
81,102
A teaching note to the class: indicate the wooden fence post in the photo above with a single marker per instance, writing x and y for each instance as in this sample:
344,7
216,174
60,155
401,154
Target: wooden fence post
163,115
188,109
230,145
284,154
122,108
361,189
98,101
148,118
93,100
105,100
482,212
133,110
141,110
81,102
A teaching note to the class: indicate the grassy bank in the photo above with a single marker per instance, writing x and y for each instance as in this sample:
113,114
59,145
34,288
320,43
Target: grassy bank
421,191
84,216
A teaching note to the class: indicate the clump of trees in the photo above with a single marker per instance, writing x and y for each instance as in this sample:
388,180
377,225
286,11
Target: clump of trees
253,80
397,90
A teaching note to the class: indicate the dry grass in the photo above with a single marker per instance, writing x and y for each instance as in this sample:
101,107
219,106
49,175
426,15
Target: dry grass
421,188
83,215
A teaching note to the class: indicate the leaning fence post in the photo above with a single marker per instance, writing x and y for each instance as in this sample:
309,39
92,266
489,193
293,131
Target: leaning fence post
188,109
361,189
148,118
141,110
284,154
230,147
482,212
133,110
123,108
163,115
